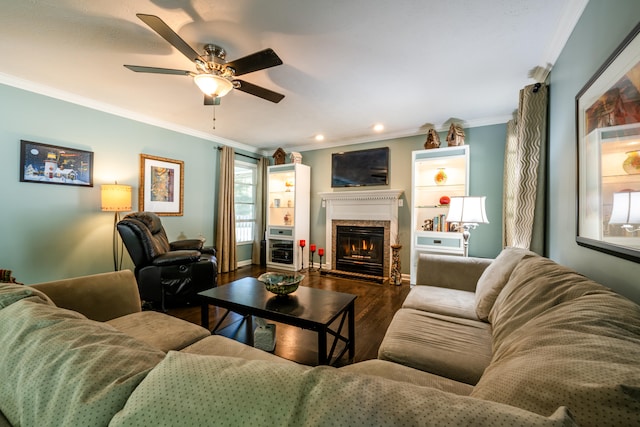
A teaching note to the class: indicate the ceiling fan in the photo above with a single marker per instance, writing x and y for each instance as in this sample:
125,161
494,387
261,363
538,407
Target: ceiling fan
214,76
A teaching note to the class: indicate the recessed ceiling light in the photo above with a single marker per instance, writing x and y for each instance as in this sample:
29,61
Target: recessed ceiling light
319,137
378,127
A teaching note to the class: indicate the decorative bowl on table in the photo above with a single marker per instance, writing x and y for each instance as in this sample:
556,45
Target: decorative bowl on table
281,283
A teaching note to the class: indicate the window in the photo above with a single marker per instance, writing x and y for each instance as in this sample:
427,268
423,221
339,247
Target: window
245,201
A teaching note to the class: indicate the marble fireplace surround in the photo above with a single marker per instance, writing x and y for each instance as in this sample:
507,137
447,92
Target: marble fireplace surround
377,208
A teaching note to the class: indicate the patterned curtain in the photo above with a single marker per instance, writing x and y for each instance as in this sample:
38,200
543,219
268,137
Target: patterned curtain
261,210
525,172
226,227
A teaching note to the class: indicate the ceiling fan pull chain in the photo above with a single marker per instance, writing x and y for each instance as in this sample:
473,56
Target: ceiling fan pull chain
214,117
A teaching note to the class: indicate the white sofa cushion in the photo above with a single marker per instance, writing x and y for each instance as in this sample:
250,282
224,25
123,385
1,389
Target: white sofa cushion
434,299
495,277
452,347
195,390
61,369
561,361
160,330
405,374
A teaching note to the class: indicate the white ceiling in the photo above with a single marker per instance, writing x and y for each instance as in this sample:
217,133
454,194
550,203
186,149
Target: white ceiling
348,64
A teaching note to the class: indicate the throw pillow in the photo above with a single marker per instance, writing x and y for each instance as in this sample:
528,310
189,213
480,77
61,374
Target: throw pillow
495,277
13,292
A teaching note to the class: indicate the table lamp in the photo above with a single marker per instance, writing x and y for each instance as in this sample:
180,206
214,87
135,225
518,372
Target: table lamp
626,210
467,211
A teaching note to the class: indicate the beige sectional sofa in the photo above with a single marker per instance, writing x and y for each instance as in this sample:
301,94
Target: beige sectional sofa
80,352
524,331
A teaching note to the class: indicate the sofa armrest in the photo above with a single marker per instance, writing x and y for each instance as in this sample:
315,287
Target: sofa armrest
448,271
100,297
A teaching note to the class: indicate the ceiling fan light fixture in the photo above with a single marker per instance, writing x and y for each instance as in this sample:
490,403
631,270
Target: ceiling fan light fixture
213,85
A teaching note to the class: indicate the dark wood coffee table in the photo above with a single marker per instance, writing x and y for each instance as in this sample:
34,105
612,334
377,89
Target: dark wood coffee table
307,308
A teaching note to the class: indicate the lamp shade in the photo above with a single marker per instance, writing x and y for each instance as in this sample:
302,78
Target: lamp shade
213,85
626,208
116,198
467,210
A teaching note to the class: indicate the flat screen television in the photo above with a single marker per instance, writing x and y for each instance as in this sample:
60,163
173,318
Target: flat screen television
360,168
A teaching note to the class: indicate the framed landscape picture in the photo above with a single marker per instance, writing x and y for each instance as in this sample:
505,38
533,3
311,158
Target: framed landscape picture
51,164
161,185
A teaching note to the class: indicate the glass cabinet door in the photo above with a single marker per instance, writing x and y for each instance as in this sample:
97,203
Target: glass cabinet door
282,190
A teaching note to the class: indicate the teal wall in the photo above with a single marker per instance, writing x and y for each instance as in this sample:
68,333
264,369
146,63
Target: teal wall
602,27
53,231
486,169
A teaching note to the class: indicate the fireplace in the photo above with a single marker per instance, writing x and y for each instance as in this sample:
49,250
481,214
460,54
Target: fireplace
360,250
374,209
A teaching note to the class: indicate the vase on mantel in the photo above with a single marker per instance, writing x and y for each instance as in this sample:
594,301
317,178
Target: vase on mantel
395,278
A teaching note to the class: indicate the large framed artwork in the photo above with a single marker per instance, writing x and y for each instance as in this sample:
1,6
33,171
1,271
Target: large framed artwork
608,133
51,164
161,185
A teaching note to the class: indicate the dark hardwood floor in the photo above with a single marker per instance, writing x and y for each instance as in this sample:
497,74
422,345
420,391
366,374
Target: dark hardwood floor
374,307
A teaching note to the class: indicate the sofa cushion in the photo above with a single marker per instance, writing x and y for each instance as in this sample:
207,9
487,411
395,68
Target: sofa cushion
405,374
217,345
495,277
452,347
583,353
160,330
449,302
451,272
536,285
100,297
59,368
189,389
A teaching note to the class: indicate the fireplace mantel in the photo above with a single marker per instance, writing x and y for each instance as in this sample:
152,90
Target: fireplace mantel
393,195
371,205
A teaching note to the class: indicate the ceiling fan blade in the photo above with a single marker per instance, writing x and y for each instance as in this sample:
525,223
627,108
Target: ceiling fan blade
256,61
258,91
140,69
159,26
210,100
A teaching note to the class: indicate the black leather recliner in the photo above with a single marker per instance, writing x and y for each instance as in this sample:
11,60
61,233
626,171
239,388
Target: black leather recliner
166,272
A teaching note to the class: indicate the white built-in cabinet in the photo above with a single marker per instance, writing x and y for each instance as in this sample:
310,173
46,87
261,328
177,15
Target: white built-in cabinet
288,212
436,173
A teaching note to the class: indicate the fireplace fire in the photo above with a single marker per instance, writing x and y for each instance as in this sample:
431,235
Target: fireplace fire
360,249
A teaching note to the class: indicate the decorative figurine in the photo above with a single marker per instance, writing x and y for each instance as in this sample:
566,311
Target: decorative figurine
295,157
433,139
440,177
455,136
279,156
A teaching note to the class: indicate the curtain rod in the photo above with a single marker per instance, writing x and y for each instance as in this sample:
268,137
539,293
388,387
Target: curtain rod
243,155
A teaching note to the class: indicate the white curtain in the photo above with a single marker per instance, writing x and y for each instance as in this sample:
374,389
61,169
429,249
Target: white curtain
261,210
226,227
525,172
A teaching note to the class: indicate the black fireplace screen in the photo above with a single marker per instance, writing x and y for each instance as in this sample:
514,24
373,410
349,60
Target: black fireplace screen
360,249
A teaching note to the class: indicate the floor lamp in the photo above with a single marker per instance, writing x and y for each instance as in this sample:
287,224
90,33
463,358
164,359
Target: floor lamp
468,212
116,198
